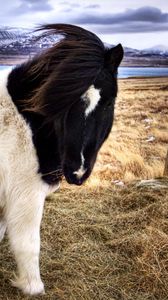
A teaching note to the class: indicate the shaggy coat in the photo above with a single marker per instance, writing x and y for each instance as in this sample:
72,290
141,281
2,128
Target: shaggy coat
55,113
22,191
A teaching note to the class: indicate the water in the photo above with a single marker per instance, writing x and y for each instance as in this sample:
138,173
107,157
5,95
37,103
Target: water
5,67
126,72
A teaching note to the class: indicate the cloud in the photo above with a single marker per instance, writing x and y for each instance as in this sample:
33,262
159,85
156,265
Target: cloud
133,20
27,6
66,10
92,6
64,3
75,5
70,4
130,28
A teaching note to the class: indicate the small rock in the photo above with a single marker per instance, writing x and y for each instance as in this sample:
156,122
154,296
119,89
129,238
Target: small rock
154,183
147,127
147,120
151,138
118,182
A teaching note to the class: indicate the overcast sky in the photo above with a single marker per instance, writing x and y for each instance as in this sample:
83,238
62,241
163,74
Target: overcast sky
134,23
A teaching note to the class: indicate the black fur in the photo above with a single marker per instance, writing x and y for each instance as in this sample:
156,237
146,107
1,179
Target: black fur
47,92
44,137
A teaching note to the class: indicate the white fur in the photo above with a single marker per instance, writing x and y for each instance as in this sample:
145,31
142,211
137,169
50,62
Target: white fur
81,171
2,228
91,97
22,192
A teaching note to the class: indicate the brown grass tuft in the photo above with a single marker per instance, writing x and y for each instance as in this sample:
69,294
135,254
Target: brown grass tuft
137,146
106,243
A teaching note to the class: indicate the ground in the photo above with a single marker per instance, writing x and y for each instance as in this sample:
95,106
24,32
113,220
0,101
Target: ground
108,240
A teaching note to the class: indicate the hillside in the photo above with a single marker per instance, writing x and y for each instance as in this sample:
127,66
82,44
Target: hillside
18,44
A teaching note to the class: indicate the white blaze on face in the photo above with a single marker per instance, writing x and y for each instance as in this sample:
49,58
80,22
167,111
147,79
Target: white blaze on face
91,97
81,171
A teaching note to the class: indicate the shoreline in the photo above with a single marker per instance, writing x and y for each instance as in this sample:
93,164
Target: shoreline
143,77
10,60
22,60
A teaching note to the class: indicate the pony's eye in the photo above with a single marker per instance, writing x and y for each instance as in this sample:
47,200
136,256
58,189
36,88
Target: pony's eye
109,103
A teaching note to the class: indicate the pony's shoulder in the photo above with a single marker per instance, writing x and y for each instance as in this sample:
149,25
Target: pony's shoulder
11,120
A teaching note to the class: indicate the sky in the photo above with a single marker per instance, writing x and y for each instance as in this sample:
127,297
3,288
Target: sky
137,24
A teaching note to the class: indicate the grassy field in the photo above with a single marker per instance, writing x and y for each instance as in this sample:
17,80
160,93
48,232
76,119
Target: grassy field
138,142
108,240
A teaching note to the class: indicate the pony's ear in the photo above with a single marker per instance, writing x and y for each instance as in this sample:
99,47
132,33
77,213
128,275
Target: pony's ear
113,57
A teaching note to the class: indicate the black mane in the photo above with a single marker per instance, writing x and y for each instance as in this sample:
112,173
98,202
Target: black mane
63,72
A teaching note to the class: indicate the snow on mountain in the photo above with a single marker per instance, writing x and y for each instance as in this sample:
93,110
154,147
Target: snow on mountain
14,40
160,49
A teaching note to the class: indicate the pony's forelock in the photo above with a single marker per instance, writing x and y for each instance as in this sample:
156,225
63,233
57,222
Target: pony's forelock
67,69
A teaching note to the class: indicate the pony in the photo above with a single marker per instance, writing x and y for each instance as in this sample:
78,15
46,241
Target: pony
56,110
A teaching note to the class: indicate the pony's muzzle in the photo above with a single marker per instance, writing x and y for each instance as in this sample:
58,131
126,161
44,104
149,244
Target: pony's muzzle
74,176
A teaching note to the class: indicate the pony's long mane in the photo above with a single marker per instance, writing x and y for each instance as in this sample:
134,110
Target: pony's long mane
64,71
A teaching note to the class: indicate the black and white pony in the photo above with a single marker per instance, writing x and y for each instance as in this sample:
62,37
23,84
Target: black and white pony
56,111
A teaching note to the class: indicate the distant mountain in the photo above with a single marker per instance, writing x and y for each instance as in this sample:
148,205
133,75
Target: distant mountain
160,49
22,41
9,34
152,57
127,51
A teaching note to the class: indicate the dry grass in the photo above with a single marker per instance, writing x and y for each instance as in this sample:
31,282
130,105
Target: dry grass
137,146
104,241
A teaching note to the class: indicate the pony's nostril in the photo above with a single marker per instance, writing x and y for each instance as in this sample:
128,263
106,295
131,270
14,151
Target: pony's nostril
80,172
74,177
79,182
